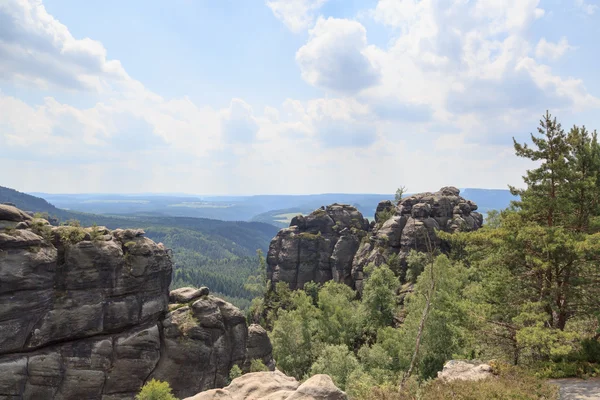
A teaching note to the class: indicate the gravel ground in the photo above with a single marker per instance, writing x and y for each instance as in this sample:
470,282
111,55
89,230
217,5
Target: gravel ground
572,389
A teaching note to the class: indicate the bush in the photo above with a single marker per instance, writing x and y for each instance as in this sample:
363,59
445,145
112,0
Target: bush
590,350
155,390
258,366
235,372
336,361
511,384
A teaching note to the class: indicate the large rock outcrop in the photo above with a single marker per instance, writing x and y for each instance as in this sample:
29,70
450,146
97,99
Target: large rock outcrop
336,242
411,225
275,386
319,247
85,314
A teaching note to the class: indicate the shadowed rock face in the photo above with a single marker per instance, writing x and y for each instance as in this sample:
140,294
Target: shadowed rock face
84,314
336,242
319,247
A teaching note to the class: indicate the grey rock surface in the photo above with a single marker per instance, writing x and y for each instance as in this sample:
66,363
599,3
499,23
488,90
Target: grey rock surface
319,247
336,242
412,226
85,314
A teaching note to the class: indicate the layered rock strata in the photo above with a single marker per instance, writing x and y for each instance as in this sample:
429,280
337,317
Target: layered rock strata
85,314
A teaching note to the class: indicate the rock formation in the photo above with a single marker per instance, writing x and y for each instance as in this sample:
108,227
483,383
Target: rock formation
275,386
85,314
465,371
411,225
319,247
336,242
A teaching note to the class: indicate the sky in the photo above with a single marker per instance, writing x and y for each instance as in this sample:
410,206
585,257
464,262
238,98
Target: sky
243,97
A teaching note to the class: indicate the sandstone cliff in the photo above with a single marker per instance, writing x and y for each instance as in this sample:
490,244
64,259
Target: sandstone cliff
337,242
318,247
85,314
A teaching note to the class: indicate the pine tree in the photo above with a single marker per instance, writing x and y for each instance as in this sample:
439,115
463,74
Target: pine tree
584,162
545,199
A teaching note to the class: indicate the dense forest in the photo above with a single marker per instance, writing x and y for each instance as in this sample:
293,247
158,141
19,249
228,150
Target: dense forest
523,291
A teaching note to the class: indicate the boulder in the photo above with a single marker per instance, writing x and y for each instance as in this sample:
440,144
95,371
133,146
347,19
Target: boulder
9,212
187,294
275,386
465,371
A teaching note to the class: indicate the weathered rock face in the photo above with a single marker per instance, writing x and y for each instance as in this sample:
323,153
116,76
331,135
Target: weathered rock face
411,225
275,386
336,242
319,247
84,314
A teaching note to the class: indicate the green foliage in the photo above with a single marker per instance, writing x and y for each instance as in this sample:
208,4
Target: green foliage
384,215
337,362
399,193
257,283
416,264
257,365
40,227
155,390
235,372
444,331
42,215
379,298
95,233
69,235
293,333
339,323
512,383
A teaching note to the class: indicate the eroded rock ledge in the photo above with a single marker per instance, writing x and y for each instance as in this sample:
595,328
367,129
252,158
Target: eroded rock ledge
85,314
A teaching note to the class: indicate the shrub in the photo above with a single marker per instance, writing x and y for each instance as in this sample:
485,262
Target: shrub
71,234
590,350
41,228
155,390
336,361
258,366
235,372
511,384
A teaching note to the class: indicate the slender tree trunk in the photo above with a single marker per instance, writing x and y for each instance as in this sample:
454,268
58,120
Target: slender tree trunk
415,355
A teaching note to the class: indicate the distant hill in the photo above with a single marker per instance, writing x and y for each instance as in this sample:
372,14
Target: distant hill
272,209
27,202
486,199
489,199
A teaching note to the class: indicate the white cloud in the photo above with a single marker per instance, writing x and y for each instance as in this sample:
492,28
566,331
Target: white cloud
464,57
433,108
587,8
297,15
35,48
238,121
336,57
552,51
